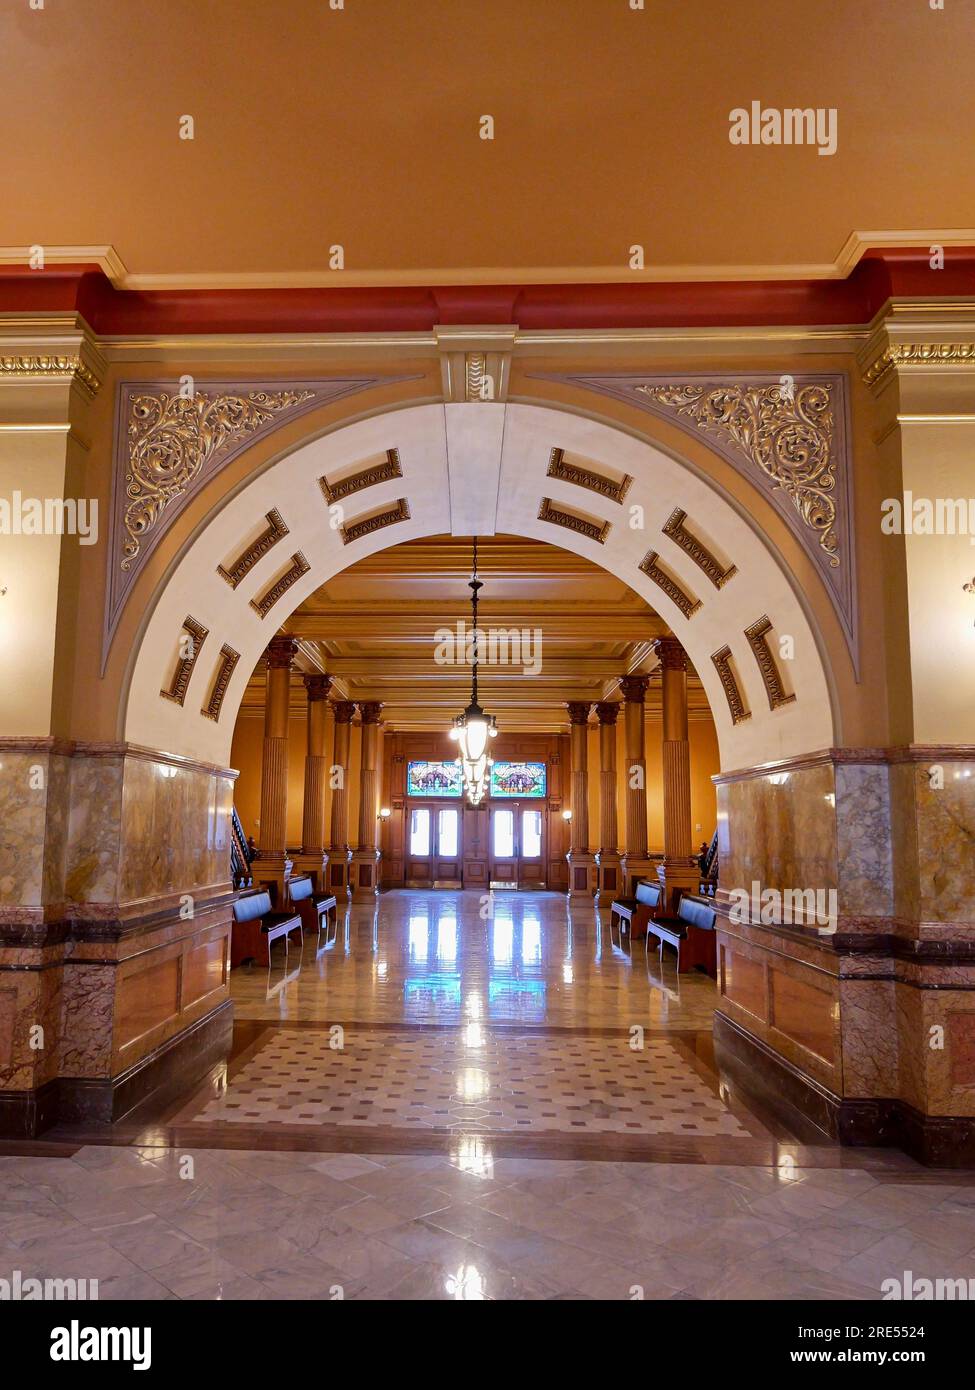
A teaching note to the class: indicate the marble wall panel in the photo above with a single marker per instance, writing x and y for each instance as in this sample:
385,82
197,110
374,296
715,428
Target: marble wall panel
30,1006
869,1038
946,842
87,1014
94,830
175,830
863,840
778,830
23,820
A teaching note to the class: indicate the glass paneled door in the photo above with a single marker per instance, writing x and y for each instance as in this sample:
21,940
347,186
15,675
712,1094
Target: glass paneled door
433,845
518,846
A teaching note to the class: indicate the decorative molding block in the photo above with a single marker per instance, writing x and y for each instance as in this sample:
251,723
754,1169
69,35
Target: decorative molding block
593,530
46,368
757,640
587,477
789,436
197,634
167,447
228,661
366,477
245,562
895,355
736,702
299,566
686,602
674,528
355,530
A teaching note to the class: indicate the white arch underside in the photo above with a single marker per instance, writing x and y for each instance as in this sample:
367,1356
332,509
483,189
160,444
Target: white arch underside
480,468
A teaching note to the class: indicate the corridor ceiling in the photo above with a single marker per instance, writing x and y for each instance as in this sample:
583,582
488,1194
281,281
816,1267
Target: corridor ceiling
372,629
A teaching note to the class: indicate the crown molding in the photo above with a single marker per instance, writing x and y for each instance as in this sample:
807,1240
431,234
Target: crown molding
857,244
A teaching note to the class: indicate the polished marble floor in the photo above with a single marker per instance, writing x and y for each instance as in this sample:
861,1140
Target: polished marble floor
427,1103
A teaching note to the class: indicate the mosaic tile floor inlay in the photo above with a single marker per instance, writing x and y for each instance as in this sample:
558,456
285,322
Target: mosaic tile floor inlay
492,1082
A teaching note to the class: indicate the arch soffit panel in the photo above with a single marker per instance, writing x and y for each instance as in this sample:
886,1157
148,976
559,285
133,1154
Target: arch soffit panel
781,710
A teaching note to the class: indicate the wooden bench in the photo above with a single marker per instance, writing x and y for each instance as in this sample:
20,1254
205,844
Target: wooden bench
691,933
256,927
313,907
635,912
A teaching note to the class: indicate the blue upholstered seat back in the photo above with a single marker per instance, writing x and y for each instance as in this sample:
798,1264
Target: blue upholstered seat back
695,913
648,894
299,888
253,906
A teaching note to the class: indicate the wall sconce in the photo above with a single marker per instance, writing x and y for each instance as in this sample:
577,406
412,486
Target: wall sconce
566,815
384,813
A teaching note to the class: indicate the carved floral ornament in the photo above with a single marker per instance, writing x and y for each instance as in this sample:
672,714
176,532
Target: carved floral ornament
171,438
786,431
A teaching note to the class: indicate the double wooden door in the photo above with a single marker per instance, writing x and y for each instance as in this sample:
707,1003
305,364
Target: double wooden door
434,845
517,845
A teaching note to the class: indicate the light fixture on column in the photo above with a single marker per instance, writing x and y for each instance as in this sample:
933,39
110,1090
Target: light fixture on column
474,729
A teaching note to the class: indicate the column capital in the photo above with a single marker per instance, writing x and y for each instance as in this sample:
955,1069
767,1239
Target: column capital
281,652
317,687
634,689
607,711
370,710
344,710
671,654
578,711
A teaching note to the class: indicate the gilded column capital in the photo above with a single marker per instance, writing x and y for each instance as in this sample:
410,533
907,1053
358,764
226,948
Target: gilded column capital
344,710
634,689
578,711
607,711
281,652
370,710
671,654
317,687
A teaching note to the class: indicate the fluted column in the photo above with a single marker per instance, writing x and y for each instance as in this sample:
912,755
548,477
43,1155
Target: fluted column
313,858
582,862
365,859
607,856
271,865
636,861
338,853
680,868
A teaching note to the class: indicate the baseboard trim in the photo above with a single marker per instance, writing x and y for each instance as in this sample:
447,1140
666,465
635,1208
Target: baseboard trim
93,1101
938,1141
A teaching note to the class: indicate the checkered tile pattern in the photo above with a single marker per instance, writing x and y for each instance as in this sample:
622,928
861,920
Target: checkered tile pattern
472,1080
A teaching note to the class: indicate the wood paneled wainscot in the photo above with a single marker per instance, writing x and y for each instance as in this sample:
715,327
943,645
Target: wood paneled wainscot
790,1004
166,987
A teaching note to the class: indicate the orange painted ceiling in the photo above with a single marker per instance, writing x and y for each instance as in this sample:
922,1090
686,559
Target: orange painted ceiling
359,126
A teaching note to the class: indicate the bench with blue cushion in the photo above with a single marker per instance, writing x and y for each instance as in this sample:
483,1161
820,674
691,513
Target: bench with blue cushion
691,933
631,915
256,927
313,907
